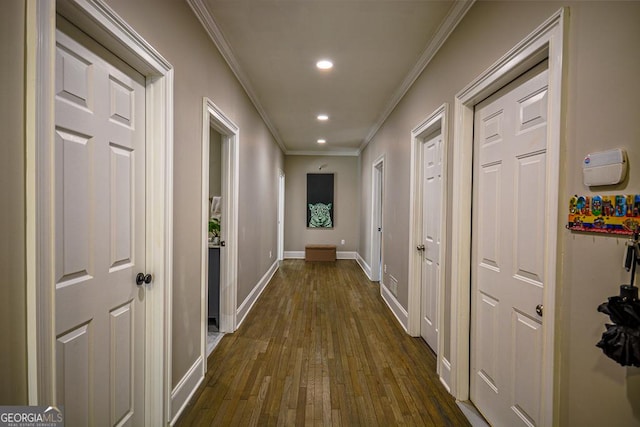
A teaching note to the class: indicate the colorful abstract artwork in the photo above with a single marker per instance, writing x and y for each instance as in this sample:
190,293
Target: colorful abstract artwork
613,214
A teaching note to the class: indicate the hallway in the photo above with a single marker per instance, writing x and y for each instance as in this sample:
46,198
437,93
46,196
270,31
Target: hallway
320,347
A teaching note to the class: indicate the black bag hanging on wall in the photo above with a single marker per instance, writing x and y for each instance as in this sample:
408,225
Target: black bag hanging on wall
621,340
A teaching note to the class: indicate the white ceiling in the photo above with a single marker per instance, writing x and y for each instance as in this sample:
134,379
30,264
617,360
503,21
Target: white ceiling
378,48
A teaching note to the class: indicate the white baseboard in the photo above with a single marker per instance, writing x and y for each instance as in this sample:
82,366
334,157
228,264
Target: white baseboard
300,255
445,373
345,255
395,307
293,254
253,296
364,266
183,392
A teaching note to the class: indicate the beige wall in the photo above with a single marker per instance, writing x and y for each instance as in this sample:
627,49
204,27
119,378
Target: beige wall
602,112
346,209
172,28
13,340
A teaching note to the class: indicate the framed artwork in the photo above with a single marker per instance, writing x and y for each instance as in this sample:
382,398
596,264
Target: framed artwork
320,204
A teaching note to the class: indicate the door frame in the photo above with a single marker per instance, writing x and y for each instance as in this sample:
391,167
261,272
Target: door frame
377,195
100,22
547,41
436,123
281,196
213,117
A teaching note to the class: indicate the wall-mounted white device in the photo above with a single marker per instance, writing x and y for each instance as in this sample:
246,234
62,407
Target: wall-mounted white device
605,167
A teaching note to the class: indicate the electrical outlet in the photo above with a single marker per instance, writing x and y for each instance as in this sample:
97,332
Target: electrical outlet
342,242
269,254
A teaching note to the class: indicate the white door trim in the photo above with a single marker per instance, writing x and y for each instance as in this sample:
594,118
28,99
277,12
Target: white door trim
376,218
547,41
98,20
436,122
281,196
212,116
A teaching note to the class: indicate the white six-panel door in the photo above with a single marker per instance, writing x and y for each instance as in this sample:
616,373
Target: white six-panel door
431,230
99,193
508,227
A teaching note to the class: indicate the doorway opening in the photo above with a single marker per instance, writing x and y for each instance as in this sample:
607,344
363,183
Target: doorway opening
281,188
219,226
377,242
427,224
214,239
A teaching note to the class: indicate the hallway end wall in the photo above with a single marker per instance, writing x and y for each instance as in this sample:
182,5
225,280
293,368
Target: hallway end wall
346,210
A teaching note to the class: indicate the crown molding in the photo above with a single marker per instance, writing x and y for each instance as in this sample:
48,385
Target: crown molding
214,32
457,12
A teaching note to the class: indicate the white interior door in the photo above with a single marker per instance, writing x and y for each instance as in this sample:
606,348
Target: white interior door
508,248
377,264
430,246
281,188
99,197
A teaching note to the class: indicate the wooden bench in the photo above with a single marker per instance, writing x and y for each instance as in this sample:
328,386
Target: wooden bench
320,253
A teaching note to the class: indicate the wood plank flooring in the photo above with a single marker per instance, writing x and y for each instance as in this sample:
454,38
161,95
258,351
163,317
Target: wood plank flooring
320,347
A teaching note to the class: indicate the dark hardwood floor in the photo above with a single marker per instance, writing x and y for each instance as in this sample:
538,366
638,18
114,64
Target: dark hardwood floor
320,347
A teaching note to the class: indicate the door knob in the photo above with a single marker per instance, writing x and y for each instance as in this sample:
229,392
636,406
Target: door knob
223,243
420,247
141,278
539,309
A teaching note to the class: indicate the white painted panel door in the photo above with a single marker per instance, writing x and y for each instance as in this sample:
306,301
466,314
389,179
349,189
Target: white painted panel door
431,225
508,226
99,235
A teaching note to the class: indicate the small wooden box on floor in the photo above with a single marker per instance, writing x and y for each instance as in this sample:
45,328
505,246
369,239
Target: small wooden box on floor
320,253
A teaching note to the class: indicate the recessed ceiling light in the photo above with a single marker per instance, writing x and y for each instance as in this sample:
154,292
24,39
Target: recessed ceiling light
324,64
323,117
322,141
